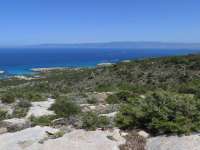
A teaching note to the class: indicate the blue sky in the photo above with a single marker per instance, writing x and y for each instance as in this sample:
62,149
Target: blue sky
24,22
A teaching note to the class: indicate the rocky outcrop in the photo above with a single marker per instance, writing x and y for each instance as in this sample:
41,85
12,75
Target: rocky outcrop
3,130
39,109
25,139
15,124
174,143
83,140
101,96
29,139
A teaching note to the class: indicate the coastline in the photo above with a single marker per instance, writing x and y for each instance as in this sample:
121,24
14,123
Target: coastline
47,69
32,62
34,72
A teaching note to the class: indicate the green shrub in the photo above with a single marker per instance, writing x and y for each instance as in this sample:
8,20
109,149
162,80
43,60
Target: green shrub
112,99
103,122
105,88
65,108
161,112
19,112
8,97
176,60
42,121
24,104
138,89
21,109
91,121
55,94
123,95
3,115
119,97
92,100
33,96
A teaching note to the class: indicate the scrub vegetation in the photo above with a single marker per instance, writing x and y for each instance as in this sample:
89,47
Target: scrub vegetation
159,95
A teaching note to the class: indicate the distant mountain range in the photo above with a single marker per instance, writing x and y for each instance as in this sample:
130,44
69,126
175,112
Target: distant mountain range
132,45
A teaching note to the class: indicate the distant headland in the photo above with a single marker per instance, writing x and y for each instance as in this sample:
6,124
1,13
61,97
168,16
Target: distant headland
124,44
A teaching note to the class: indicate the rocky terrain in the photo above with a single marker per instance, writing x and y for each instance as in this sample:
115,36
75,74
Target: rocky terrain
18,134
151,104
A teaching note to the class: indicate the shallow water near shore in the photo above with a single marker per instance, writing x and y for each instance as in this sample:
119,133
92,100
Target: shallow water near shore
20,61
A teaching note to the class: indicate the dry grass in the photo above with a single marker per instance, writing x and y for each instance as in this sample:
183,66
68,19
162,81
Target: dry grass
134,142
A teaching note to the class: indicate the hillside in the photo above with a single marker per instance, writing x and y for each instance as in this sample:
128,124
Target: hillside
157,95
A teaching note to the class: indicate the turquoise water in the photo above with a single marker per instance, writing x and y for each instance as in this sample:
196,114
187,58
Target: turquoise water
20,61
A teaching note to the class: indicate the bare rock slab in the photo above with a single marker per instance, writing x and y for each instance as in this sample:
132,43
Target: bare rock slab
39,109
23,139
191,142
15,124
83,140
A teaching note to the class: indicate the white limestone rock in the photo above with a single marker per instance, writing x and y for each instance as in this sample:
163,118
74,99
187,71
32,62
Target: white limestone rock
29,139
82,140
15,124
24,139
3,130
174,143
109,115
143,134
39,109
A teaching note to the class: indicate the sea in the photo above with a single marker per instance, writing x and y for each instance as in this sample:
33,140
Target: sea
20,61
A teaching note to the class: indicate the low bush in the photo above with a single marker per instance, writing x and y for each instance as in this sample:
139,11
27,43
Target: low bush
105,88
112,99
33,96
103,122
92,100
65,108
55,94
161,112
42,121
24,104
91,121
19,112
119,97
21,109
3,115
8,97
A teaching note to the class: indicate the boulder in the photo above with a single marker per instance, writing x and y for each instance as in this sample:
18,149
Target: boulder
143,134
3,130
87,107
174,142
24,139
15,124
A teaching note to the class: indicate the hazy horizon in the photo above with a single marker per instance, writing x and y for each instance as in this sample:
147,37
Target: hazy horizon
106,42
